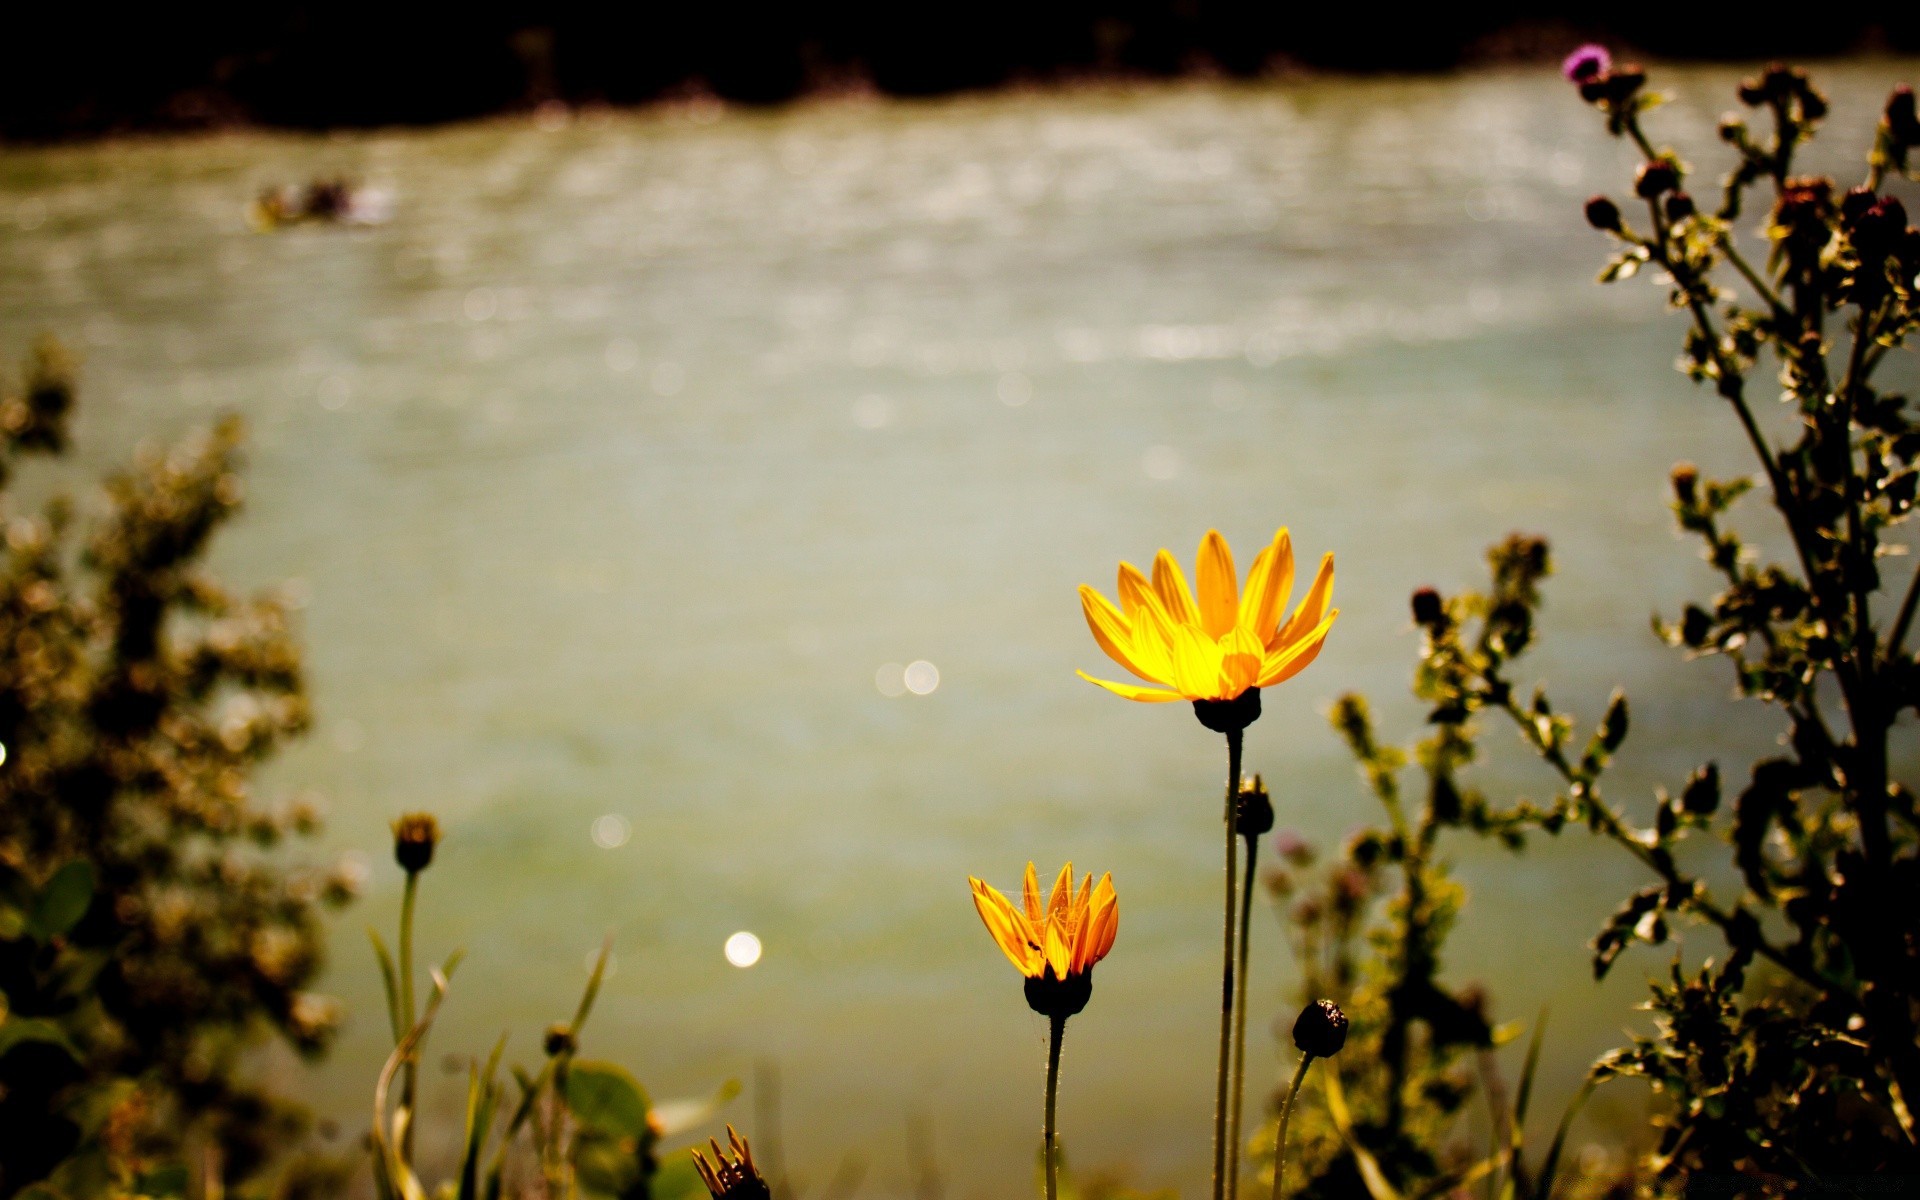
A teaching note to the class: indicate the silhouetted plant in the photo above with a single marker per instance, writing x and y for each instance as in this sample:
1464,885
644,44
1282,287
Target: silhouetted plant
149,937
1791,1054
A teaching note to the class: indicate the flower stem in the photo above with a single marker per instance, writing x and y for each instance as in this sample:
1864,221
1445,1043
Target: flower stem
406,1010
1051,1133
1226,976
1286,1114
1240,1019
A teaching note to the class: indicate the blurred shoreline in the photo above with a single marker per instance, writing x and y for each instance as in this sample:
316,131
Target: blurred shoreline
306,68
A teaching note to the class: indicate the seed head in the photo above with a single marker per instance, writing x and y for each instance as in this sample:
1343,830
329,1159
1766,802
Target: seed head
738,1179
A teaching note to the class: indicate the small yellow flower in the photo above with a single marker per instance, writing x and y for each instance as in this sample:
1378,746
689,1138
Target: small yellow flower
1223,644
1059,937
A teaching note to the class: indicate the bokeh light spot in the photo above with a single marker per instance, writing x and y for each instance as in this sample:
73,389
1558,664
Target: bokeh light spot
920,677
611,831
891,679
743,949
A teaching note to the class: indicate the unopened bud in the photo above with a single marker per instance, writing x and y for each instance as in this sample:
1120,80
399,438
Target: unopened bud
1603,214
1679,206
414,837
1686,478
1321,1029
1655,178
1252,809
1902,123
1427,608
560,1040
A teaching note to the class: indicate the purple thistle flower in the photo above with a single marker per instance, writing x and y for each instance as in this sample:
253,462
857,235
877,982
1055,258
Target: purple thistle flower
1588,61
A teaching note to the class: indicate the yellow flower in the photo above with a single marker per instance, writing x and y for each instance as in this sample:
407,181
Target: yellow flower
1227,642
1056,938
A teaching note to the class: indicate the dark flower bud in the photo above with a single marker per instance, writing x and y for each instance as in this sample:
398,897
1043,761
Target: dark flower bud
1623,81
1593,89
1855,204
559,1040
1229,716
1062,998
1878,232
738,1179
1252,810
1901,120
1732,128
1679,206
1695,626
1686,478
1702,794
1752,92
1321,1029
1655,178
1813,106
1427,608
1603,214
414,837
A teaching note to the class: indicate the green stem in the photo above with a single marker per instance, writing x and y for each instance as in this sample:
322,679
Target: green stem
1051,1134
1224,1069
1240,1019
1286,1114
408,1080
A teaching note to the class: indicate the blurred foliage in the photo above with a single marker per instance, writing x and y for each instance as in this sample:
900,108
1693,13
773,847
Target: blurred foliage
148,936
1788,1058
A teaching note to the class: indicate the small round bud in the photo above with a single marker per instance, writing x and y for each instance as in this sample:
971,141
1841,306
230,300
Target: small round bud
1321,1029
414,837
1428,610
1624,80
1732,128
1686,480
1902,122
1679,206
1855,204
1603,214
1655,179
1229,716
560,1040
1252,809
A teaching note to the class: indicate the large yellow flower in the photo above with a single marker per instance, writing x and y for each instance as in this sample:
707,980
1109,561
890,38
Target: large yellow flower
1226,642
1057,937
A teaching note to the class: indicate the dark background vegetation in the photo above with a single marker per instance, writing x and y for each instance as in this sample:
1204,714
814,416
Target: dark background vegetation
80,70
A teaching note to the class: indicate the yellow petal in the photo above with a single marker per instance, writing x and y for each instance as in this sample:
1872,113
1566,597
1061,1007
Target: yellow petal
1060,896
1103,922
1219,586
1009,929
1241,658
1268,586
1311,611
1289,660
1145,695
1171,586
1115,635
1030,893
1135,591
1196,665
1059,955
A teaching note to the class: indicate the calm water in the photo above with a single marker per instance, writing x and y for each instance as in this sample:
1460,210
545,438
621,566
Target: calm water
622,472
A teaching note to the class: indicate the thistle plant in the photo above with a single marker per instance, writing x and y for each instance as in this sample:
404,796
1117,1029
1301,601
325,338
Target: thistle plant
1791,1052
1216,651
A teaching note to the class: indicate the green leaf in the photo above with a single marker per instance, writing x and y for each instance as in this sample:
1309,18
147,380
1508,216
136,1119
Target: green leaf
675,1117
605,1099
606,1165
18,1031
162,1181
63,901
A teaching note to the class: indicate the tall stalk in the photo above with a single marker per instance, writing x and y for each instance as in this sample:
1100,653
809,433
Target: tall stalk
1050,1133
1225,1066
1286,1114
411,1069
1239,1085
